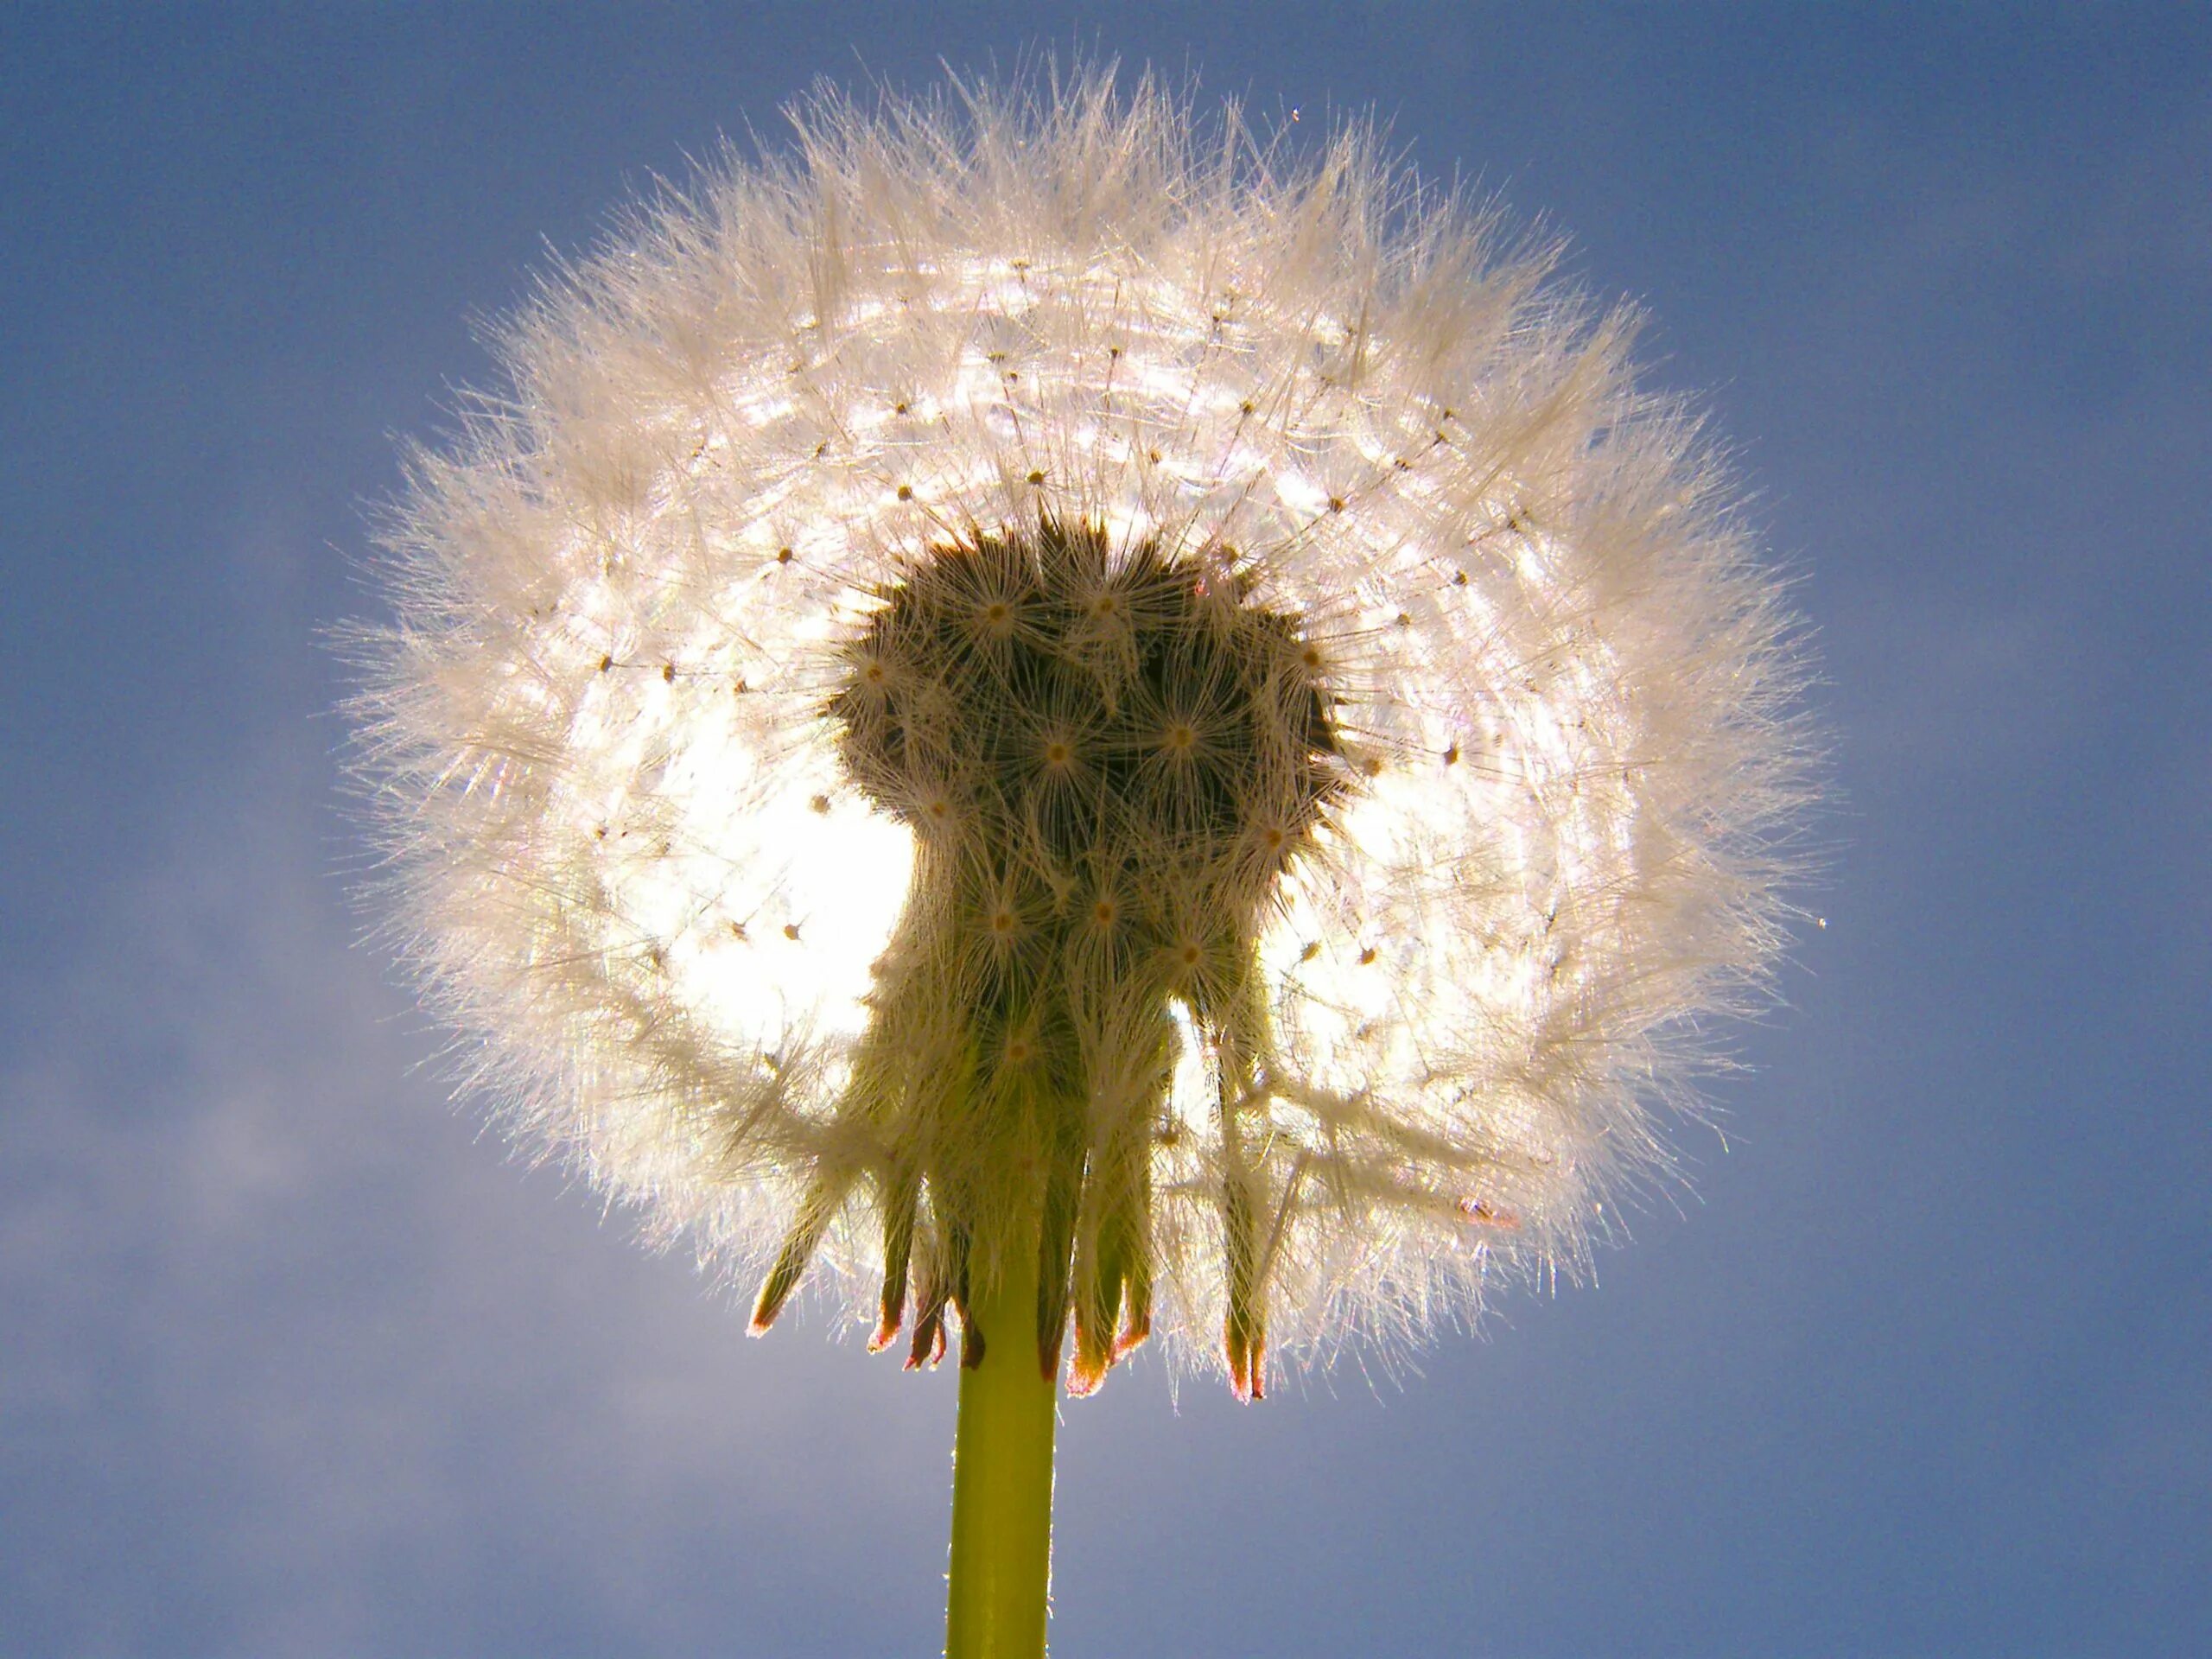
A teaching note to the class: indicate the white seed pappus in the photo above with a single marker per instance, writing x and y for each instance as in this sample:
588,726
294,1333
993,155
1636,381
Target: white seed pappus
813,851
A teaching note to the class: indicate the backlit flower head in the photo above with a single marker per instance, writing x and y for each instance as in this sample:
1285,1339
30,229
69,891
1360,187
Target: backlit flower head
1040,659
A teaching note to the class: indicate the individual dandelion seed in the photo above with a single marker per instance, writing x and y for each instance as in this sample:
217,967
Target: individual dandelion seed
1047,717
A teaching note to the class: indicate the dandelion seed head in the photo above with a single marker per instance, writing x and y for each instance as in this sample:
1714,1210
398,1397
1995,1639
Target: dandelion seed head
1038,645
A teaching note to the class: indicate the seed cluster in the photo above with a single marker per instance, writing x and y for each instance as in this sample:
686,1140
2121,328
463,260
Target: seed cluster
1098,744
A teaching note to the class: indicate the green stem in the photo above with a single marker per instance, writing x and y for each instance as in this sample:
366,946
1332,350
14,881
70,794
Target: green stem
1002,1478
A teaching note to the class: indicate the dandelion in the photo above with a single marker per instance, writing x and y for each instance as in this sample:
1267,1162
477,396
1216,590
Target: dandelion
1067,728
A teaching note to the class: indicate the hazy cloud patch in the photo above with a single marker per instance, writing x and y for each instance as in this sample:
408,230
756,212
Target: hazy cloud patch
299,1363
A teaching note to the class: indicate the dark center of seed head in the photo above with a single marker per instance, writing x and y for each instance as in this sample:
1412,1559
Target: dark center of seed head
1102,724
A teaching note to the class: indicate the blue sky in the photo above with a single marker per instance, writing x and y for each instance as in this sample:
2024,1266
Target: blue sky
294,1361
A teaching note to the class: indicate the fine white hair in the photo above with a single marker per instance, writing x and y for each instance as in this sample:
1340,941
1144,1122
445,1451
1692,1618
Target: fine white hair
690,956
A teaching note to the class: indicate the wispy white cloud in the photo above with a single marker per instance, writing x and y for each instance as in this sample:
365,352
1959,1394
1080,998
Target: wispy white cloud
298,1363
